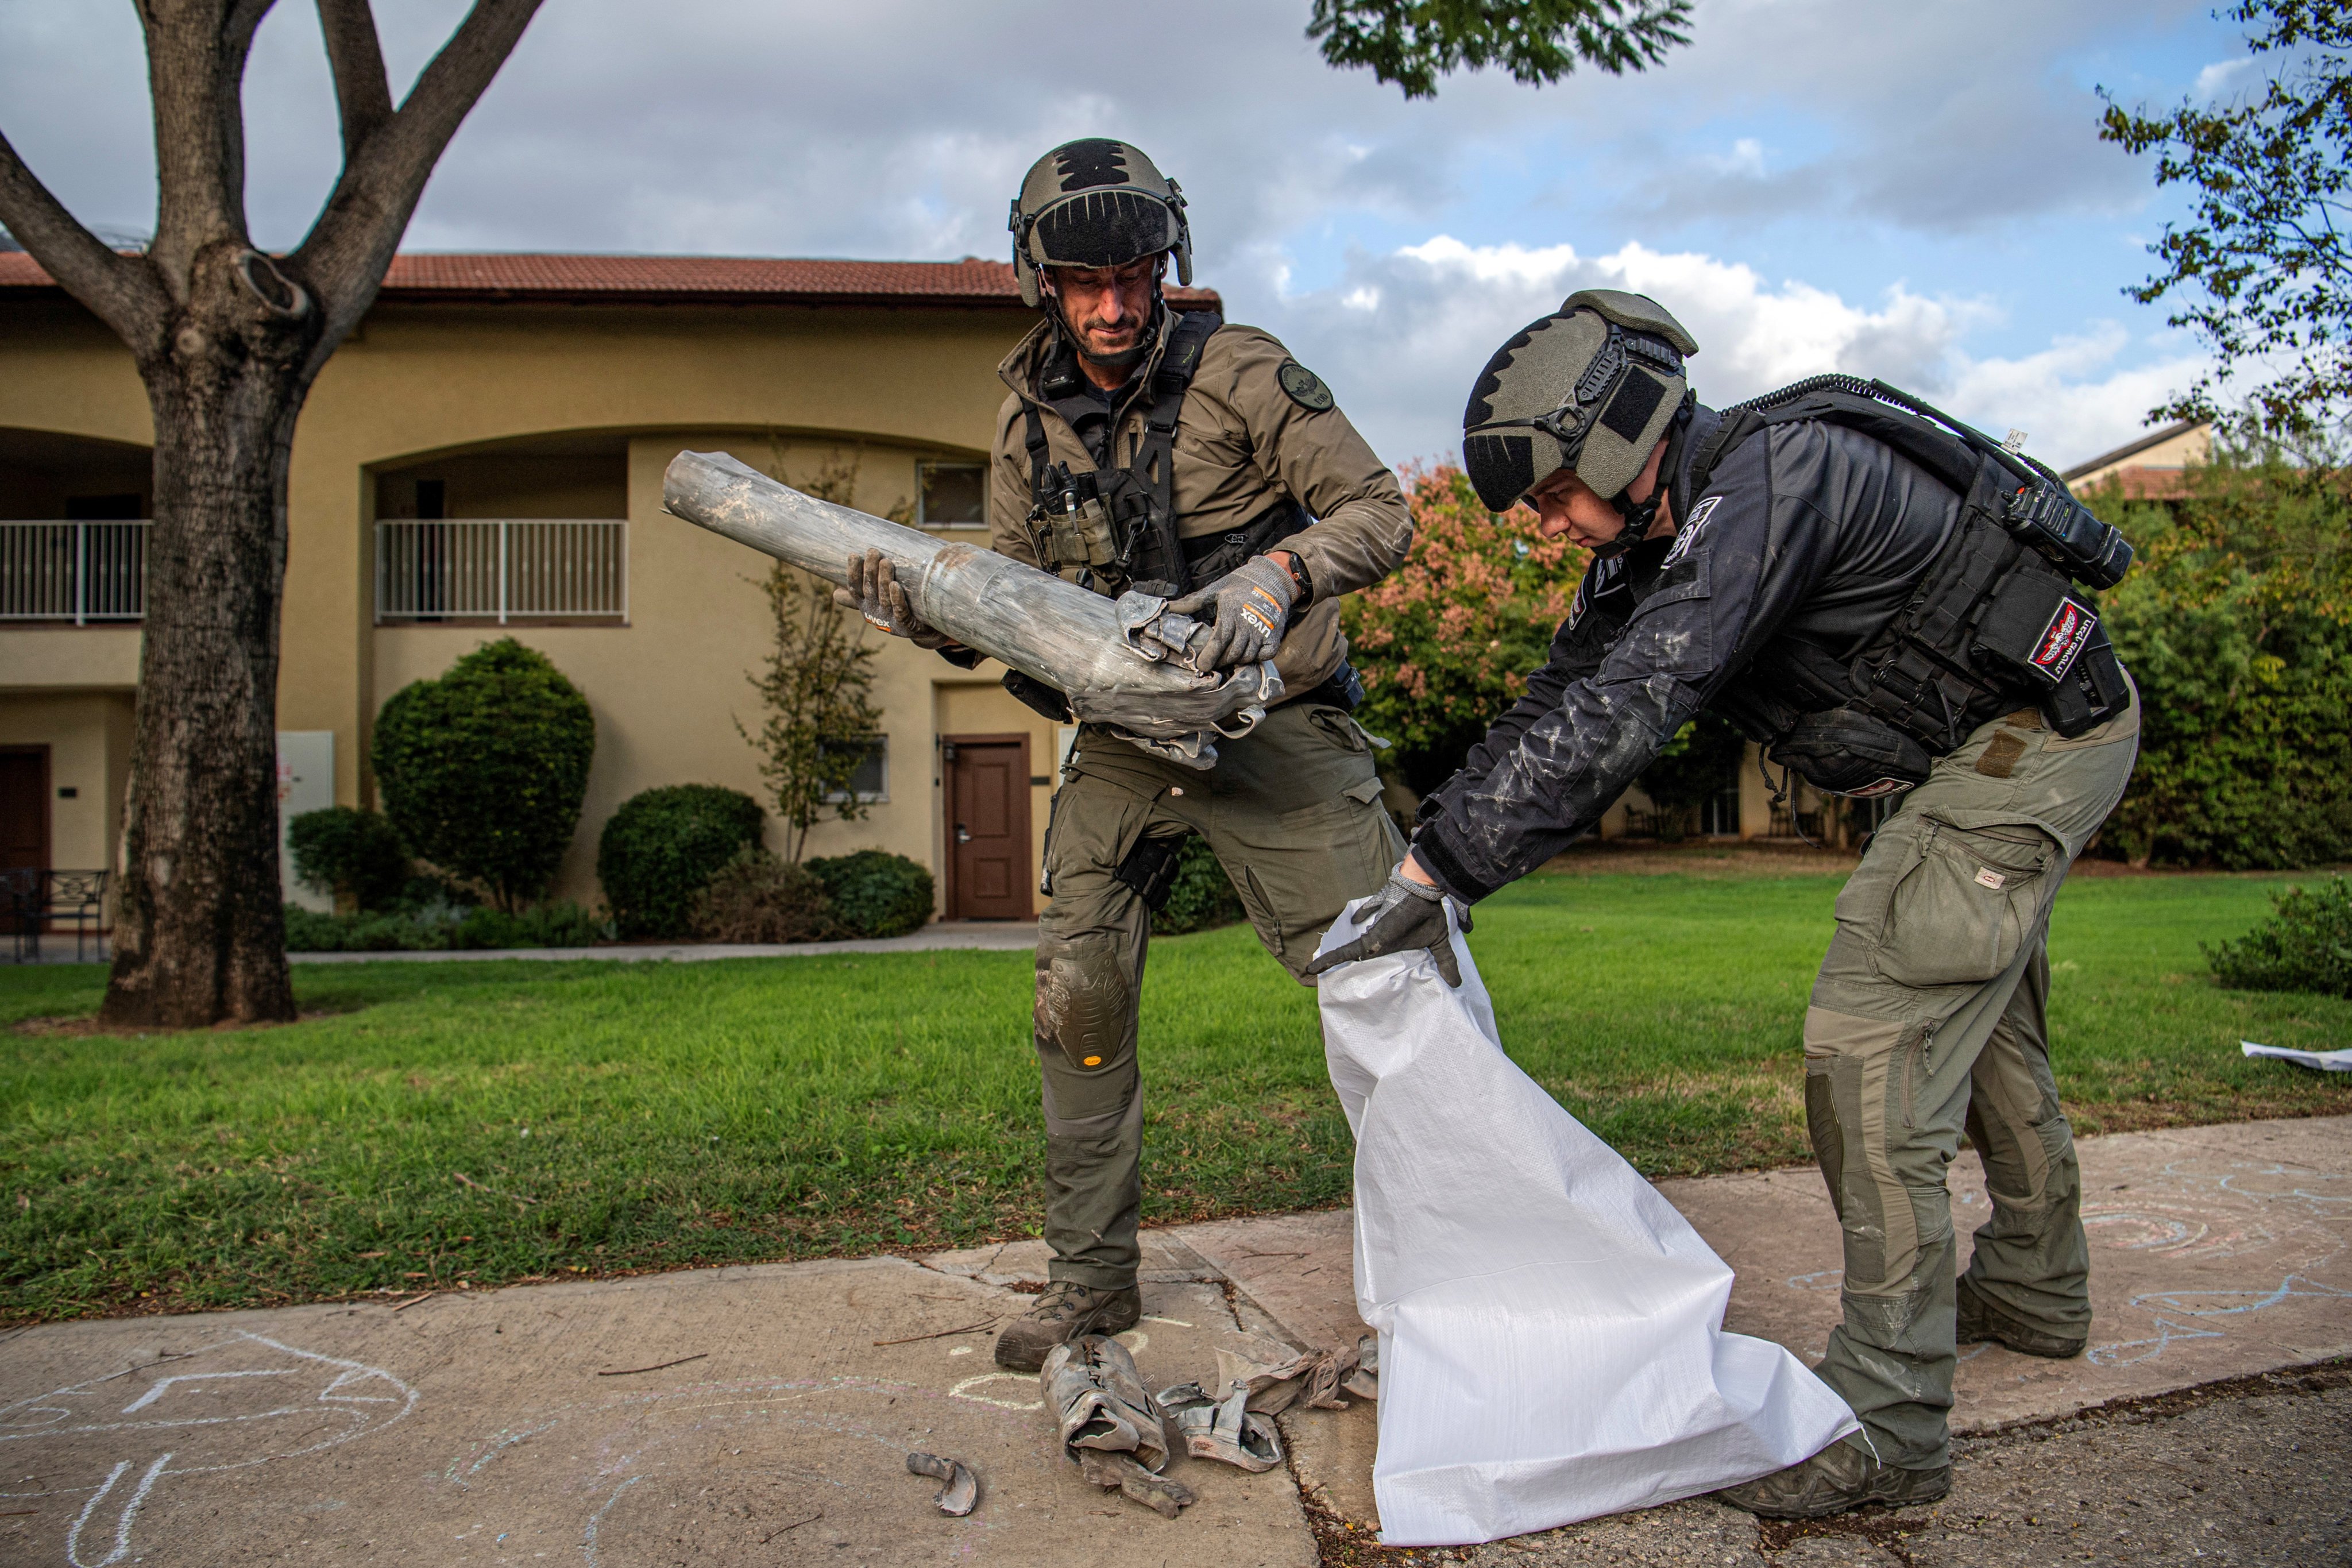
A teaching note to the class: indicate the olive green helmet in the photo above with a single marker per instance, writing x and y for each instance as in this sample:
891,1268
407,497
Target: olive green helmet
1095,202
1594,386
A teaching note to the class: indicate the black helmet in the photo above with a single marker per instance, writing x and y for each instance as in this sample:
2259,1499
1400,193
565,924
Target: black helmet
1095,202
1594,386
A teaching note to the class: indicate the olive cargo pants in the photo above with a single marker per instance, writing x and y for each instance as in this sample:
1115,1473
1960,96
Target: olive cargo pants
1292,811
1928,1020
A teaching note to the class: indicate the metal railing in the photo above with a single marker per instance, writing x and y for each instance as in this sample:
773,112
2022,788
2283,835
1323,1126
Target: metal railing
77,571
502,569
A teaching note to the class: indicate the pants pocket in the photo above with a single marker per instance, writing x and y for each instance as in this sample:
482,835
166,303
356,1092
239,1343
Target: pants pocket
1966,904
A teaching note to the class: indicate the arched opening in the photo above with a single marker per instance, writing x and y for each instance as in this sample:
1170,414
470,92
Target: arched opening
73,529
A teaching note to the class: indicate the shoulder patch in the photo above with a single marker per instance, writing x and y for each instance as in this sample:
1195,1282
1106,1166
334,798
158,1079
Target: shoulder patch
1687,535
1306,388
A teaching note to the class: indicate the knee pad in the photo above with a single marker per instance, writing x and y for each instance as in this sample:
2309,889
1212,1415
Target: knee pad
1086,1008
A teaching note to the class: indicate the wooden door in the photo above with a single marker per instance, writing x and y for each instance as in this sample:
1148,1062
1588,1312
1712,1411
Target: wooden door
987,789
24,808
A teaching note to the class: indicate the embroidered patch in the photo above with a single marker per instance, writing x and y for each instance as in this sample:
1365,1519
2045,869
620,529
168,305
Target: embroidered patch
1988,878
1687,535
1884,786
2063,639
1306,388
1594,583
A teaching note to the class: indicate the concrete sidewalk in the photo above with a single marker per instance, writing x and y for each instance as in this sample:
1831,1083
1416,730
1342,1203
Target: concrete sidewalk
991,936
762,1414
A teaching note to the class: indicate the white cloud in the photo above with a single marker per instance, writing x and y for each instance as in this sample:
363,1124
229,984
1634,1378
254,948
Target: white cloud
1402,336
2215,77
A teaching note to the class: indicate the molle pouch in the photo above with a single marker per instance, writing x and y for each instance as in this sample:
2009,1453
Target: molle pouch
1037,696
1071,526
2036,627
2093,692
1149,870
1847,752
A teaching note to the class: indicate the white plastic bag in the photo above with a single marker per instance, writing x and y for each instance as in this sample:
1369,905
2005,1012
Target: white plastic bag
1551,1330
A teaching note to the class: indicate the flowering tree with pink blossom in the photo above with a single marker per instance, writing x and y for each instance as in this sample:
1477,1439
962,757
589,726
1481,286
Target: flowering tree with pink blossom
1446,642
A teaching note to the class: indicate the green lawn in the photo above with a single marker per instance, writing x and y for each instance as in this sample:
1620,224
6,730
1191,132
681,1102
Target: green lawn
432,1123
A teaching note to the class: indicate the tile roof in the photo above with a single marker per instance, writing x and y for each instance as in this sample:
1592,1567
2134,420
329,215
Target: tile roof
517,276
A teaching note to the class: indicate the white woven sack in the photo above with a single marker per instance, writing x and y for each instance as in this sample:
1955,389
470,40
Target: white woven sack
1551,1329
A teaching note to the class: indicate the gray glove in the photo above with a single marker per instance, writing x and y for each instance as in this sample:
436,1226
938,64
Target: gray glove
1403,915
1248,609
875,593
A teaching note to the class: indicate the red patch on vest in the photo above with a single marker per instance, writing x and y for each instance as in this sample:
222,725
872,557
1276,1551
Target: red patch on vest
2063,639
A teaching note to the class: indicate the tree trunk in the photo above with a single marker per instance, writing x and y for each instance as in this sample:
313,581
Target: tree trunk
199,928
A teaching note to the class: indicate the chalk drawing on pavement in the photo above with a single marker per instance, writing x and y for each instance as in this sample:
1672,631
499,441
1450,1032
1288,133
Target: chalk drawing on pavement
242,1400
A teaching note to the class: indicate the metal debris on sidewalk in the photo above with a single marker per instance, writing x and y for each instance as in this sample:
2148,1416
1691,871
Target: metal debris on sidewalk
961,1495
1223,1429
1110,1423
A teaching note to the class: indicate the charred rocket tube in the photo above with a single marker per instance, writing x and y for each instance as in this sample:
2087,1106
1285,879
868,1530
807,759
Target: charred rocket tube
1049,629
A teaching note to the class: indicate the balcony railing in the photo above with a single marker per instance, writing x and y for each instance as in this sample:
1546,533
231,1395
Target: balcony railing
495,568
77,571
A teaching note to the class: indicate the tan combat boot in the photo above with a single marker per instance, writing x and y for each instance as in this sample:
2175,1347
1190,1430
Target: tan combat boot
1979,1320
1838,1478
1066,1310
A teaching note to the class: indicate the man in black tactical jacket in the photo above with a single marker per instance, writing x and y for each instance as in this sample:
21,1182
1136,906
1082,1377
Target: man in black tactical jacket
1886,603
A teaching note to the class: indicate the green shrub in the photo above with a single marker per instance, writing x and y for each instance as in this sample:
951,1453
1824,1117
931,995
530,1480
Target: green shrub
662,846
757,898
1201,898
422,930
560,924
2236,621
876,893
2305,945
483,771
341,850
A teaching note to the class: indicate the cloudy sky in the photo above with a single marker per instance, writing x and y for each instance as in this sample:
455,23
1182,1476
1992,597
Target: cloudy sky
1911,190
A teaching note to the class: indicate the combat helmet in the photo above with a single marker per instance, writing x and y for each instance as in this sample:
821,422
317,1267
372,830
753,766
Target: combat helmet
1594,387
1095,202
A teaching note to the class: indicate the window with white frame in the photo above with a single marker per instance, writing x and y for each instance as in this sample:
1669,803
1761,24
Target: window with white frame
871,782
951,495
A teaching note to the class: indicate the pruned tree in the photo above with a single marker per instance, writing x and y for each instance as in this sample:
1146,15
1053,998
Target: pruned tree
229,341
818,683
1413,42
2262,271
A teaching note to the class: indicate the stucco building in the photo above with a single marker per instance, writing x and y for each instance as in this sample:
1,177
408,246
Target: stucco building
484,458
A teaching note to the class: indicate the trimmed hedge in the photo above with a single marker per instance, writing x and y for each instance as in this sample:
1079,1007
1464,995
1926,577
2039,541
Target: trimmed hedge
757,898
874,893
343,850
440,928
483,771
662,846
1201,898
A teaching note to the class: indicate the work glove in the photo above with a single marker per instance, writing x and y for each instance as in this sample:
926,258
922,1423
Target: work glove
1403,915
1248,608
875,593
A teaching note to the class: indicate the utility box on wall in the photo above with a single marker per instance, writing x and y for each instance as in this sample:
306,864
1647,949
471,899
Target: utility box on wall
306,782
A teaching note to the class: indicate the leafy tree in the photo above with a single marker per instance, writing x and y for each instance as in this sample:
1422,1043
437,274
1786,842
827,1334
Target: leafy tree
817,690
1413,42
2264,272
229,341
483,771
1453,631
2236,621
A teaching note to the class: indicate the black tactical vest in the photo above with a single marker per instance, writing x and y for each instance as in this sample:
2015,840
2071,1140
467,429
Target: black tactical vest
1994,624
1113,529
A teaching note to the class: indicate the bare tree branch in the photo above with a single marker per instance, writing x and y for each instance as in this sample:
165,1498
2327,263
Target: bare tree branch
343,257
363,91
196,51
118,289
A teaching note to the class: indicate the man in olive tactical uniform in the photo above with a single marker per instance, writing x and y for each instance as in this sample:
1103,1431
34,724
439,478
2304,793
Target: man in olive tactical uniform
1145,449
1882,599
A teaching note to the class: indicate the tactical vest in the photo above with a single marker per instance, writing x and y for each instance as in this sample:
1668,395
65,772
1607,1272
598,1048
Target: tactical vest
1994,624
1112,529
